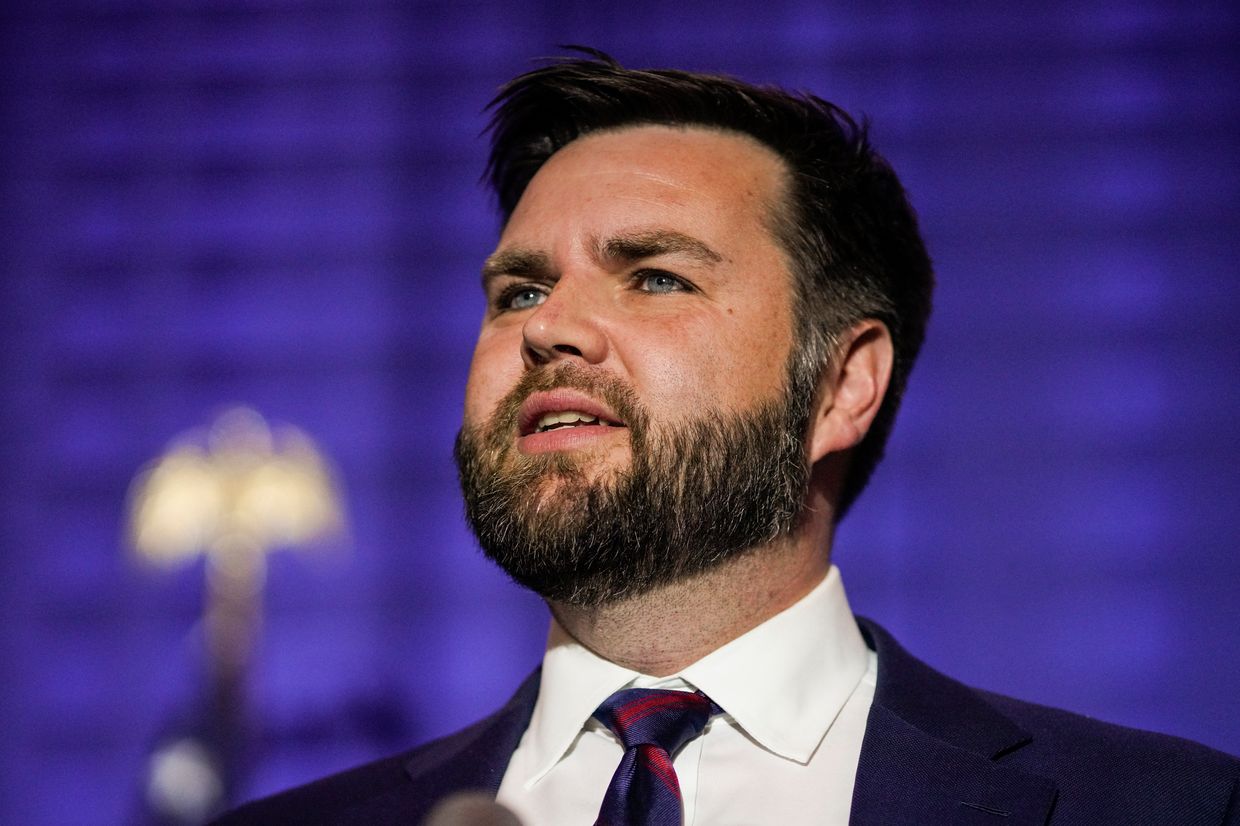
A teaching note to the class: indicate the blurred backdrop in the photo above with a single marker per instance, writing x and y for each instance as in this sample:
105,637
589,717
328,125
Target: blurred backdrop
274,204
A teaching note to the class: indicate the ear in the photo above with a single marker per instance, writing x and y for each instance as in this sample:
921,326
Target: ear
852,388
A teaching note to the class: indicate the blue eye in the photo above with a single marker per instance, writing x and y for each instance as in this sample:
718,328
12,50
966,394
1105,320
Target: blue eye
523,298
661,282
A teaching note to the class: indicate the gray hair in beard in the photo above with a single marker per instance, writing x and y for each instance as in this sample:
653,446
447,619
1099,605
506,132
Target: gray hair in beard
697,492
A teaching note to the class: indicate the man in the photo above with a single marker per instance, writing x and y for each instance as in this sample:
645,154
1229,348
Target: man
701,313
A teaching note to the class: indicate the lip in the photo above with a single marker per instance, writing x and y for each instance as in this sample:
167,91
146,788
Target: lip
530,441
567,438
539,404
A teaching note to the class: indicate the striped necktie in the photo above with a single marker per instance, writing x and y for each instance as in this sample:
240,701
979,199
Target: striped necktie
652,725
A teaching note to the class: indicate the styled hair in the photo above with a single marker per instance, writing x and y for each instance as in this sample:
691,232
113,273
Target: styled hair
846,226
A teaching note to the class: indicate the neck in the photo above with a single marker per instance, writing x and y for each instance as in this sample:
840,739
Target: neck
663,631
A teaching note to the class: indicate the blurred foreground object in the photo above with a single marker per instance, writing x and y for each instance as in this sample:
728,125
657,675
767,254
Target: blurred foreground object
231,494
470,809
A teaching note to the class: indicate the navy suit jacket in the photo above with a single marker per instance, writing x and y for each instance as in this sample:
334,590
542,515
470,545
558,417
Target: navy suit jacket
935,752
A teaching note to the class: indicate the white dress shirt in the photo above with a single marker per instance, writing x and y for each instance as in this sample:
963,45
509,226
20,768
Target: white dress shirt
795,692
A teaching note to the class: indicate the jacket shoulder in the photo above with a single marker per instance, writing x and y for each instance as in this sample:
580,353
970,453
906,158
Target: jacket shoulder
1102,768
325,800
924,723
402,788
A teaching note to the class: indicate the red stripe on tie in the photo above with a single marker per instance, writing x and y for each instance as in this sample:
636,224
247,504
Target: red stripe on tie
633,712
660,766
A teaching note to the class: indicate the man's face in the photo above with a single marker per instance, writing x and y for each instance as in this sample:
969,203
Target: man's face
639,320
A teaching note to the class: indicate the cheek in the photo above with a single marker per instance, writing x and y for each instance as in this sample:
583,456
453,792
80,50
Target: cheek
660,359
495,368
707,363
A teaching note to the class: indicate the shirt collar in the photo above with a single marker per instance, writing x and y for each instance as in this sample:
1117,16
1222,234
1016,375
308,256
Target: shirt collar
783,682
574,682
787,680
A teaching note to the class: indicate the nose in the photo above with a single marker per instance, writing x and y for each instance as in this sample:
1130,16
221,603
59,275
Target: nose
564,327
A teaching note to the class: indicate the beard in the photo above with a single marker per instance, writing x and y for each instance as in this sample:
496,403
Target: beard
697,492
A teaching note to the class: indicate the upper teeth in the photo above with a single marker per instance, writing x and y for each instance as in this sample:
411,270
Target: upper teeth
568,417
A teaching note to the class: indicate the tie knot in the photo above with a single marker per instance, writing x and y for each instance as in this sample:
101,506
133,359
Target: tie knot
667,719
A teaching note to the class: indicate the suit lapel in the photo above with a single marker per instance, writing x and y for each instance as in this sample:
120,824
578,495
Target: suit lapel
477,758
472,760
931,752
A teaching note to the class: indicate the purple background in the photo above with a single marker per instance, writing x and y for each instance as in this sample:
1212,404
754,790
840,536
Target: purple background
275,203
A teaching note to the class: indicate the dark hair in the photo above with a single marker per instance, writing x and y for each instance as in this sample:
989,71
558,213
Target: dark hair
847,227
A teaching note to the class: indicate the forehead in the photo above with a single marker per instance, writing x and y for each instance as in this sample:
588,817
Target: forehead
697,177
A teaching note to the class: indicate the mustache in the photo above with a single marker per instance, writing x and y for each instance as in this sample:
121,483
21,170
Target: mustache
600,384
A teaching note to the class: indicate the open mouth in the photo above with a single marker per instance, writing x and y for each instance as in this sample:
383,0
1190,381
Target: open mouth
562,409
558,420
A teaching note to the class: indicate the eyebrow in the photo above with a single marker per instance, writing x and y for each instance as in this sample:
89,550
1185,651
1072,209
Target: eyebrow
625,249
639,245
520,263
